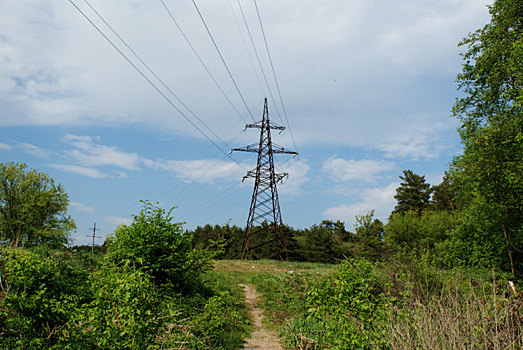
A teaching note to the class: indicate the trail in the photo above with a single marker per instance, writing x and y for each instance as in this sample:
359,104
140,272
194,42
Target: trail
261,338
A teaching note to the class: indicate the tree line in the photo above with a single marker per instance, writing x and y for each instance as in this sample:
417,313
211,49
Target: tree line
419,224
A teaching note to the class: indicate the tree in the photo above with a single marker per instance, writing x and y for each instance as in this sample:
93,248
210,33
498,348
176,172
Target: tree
415,233
488,174
413,193
369,236
33,210
443,195
324,243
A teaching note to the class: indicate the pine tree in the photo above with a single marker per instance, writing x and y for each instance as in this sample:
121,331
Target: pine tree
413,193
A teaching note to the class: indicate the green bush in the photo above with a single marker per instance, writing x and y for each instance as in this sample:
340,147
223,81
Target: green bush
122,315
350,305
160,248
216,319
39,295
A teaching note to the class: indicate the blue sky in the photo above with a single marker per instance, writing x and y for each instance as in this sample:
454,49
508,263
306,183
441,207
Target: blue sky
367,87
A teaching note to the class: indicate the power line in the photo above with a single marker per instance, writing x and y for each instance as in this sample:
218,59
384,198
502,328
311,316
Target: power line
274,74
223,60
201,61
156,87
246,47
216,199
153,73
258,58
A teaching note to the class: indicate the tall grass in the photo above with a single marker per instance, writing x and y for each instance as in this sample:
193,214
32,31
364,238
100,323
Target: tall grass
426,308
479,316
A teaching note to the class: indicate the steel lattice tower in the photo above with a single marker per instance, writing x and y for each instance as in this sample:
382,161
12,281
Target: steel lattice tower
265,213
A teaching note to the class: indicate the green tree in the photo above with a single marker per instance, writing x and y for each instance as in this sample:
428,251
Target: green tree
443,195
33,209
225,241
368,236
488,174
324,243
159,246
413,193
413,233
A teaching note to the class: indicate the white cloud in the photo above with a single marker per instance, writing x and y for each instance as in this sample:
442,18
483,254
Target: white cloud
115,220
419,138
380,199
81,207
88,153
4,147
80,170
298,171
52,77
349,170
201,170
34,150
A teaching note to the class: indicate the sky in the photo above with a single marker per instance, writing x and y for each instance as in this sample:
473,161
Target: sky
123,101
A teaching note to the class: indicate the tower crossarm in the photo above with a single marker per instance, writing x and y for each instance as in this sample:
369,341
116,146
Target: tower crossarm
255,148
260,125
281,150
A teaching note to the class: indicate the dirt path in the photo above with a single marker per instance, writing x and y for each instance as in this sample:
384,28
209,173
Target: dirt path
260,338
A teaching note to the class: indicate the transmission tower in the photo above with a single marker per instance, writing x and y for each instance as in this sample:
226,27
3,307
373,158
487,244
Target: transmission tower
264,213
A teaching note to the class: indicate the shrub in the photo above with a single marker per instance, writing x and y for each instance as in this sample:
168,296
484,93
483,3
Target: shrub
122,314
39,295
350,306
158,246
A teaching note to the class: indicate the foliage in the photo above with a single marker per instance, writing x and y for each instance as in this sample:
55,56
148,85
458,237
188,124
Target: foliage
350,305
444,195
414,233
158,246
40,293
217,320
123,314
224,241
438,309
33,210
402,303
368,237
284,301
323,243
488,174
413,193
223,321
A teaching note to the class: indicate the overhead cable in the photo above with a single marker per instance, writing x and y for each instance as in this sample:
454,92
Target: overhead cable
274,74
156,87
201,61
223,60
258,58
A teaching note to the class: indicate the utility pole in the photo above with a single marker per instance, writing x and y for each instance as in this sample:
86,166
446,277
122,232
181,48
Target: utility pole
265,213
94,236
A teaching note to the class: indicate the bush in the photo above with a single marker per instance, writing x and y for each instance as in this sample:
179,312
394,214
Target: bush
39,295
216,320
350,305
122,314
158,246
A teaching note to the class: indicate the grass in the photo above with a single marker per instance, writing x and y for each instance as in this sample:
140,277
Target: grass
243,270
435,309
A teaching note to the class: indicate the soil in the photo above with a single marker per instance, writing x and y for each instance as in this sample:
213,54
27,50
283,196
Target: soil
261,337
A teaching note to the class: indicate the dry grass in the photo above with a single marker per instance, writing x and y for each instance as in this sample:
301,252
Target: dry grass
484,320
